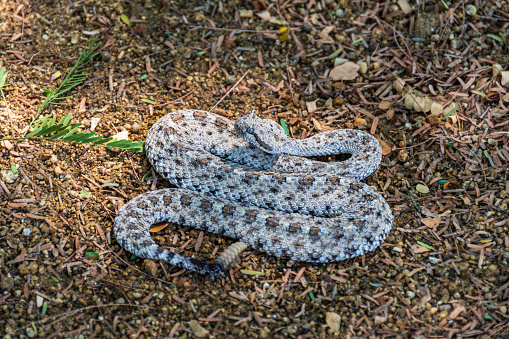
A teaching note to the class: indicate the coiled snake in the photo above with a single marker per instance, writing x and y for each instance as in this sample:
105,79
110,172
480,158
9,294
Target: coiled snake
248,180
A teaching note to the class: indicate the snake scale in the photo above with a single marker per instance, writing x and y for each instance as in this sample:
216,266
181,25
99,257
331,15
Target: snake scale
248,180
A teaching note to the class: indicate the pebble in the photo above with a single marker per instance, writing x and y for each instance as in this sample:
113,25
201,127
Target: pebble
333,321
8,176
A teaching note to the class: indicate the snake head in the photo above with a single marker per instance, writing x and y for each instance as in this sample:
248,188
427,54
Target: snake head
262,133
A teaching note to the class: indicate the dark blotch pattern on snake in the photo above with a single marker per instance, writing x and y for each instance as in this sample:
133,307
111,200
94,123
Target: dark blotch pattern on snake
268,196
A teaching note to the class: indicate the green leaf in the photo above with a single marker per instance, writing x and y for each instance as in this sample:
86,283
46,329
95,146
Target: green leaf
60,134
201,52
125,19
312,296
285,128
336,53
48,130
450,113
114,184
92,255
148,101
496,37
35,328
479,93
357,41
143,77
85,194
67,119
100,142
445,4
44,308
489,317
55,279
14,169
249,272
425,245
440,182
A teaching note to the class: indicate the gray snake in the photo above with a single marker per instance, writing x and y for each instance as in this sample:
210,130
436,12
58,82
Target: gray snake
247,180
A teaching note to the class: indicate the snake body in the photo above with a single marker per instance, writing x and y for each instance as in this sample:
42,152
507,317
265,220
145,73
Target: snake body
248,180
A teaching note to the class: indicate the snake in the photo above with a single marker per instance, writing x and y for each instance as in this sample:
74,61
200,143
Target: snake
249,181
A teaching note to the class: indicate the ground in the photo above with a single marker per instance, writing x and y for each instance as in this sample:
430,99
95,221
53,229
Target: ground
428,79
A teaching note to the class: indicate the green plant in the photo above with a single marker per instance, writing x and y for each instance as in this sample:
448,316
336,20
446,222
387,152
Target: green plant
46,128
75,77
3,84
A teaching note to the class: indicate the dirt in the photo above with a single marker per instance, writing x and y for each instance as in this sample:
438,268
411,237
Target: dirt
441,273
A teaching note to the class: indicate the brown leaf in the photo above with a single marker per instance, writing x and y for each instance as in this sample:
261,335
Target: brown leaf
346,71
385,104
431,222
157,228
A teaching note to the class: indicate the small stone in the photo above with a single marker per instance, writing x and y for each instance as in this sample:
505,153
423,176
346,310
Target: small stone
150,267
135,128
471,10
380,320
30,332
306,28
39,300
410,294
6,283
403,155
57,170
105,56
422,189
363,67
333,321
397,249
360,122
8,176
199,17
197,329
246,13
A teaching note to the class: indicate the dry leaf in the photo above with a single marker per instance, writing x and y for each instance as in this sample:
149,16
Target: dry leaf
436,108
496,68
325,32
416,248
155,229
431,222
405,6
317,125
409,101
390,113
386,149
93,123
505,78
399,84
385,104
265,15
346,71
456,312
124,135
311,106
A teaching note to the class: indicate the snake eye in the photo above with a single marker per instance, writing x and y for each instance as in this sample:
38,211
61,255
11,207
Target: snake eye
250,130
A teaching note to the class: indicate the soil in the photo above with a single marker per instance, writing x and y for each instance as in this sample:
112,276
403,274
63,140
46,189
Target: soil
429,81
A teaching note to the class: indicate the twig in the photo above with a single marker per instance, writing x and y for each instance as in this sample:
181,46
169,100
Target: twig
231,89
